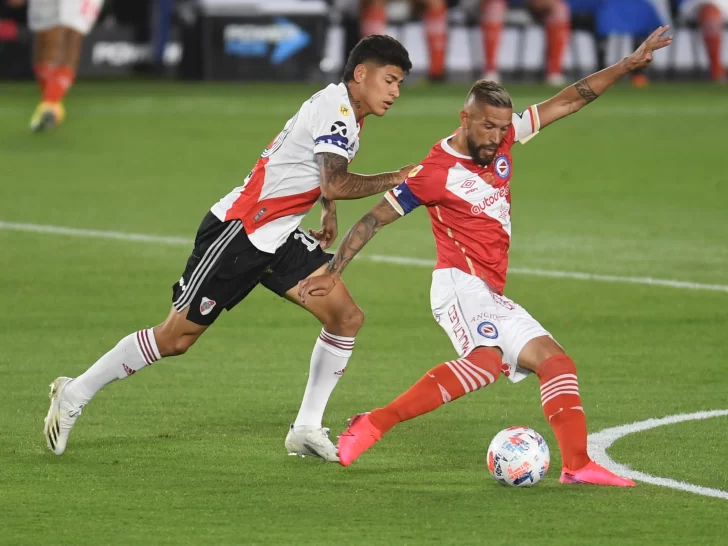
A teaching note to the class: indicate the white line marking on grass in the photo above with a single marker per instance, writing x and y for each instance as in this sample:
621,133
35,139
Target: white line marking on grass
400,260
600,441
566,274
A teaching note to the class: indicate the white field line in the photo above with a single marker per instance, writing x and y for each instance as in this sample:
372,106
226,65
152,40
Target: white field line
399,260
600,441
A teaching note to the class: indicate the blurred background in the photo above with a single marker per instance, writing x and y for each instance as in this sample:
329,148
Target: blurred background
308,40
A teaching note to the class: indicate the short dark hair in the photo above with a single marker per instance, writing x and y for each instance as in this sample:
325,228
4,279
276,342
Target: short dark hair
490,93
379,49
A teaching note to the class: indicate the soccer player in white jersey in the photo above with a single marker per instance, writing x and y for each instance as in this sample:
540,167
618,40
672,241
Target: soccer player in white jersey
59,27
252,237
465,184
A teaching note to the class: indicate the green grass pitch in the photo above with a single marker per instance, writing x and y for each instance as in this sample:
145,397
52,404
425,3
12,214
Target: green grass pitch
191,450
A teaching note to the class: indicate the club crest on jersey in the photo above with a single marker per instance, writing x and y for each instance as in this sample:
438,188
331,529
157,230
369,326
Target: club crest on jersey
502,166
344,110
488,330
206,306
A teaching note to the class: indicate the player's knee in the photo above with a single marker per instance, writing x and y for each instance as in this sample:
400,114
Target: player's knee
349,321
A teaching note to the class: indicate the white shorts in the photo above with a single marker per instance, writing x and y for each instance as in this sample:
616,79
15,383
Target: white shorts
689,10
80,15
474,316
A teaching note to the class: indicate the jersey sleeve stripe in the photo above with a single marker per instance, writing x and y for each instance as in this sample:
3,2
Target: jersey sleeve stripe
393,201
535,120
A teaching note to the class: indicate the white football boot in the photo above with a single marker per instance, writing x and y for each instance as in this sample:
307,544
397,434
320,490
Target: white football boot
61,416
308,441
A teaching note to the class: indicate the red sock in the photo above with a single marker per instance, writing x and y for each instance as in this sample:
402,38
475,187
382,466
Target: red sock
440,385
558,34
58,84
374,20
42,73
563,410
711,25
493,17
435,20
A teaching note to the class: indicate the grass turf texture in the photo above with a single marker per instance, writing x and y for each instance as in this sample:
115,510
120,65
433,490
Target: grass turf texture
191,450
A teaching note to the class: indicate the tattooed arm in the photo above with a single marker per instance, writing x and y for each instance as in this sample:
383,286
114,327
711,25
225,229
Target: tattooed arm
575,97
338,183
356,238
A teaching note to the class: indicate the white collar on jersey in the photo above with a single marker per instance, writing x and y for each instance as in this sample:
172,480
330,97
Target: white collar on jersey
449,149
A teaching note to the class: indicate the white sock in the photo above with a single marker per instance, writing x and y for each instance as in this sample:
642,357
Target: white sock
130,355
328,363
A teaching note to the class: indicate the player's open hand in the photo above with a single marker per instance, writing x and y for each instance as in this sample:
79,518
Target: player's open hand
643,54
329,230
319,285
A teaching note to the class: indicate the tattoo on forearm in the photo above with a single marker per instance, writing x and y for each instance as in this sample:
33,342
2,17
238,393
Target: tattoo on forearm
357,237
361,233
586,92
346,185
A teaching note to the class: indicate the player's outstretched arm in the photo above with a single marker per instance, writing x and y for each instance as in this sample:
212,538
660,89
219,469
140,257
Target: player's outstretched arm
575,97
355,239
338,183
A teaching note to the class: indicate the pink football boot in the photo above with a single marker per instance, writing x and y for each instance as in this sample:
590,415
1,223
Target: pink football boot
594,474
357,438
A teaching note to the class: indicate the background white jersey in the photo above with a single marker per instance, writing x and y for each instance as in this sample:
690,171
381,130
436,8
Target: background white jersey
286,181
80,15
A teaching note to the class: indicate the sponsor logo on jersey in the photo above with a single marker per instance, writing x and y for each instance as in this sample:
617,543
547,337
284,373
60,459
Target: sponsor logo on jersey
344,111
206,306
414,171
490,200
470,186
502,166
338,128
488,330
258,216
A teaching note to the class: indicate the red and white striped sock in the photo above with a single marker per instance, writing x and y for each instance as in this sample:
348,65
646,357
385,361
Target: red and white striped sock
130,355
329,359
562,407
442,384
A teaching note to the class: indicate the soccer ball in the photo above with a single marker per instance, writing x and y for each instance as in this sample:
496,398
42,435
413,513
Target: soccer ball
518,456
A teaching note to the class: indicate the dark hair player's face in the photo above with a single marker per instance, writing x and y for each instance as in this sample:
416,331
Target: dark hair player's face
485,128
380,86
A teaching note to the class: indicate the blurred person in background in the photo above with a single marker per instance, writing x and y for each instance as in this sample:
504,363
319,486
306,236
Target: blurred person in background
59,27
711,16
554,14
635,18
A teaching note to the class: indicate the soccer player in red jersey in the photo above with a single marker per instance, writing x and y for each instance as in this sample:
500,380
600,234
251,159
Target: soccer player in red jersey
465,184
252,236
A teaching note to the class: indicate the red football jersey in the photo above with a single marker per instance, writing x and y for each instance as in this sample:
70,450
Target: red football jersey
469,205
